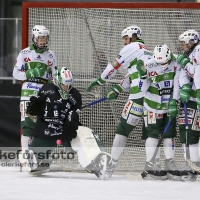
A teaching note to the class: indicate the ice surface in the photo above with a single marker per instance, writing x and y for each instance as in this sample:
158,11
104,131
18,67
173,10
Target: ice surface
16,185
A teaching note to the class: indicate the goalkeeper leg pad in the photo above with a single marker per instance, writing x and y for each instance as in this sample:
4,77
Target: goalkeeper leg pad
90,155
28,160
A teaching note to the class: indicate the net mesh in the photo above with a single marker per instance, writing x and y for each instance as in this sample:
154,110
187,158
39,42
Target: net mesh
85,40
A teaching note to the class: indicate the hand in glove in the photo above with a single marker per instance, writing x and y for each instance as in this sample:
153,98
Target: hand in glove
96,83
69,130
182,60
114,92
173,111
185,93
142,72
37,72
36,105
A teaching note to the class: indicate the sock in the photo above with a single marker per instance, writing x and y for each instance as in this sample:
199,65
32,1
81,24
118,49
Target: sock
24,142
150,146
184,150
169,147
194,152
118,146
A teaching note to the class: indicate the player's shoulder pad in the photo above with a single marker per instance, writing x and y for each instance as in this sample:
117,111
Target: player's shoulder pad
26,51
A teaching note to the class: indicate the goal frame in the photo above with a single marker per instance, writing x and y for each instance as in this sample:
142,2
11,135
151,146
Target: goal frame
118,5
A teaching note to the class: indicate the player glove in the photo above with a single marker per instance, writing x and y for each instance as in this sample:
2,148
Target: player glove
185,93
142,72
114,92
96,83
183,60
38,71
36,105
69,130
173,111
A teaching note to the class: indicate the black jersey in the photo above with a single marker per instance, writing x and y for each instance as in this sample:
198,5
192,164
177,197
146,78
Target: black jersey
56,111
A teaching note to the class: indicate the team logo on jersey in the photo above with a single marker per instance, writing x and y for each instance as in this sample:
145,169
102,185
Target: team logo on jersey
22,68
49,63
48,100
167,83
153,73
39,57
166,76
25,51
109,73
157,85
182,121
46,132
50,55
27,60
140,84
143,47
115,64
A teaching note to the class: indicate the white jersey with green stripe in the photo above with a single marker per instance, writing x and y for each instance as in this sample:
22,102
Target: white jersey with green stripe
29,55
160,85
127,59
192,69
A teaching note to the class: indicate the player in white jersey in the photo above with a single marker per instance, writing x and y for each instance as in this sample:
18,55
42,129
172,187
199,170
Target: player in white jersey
190,93
34,66
159,81
133,109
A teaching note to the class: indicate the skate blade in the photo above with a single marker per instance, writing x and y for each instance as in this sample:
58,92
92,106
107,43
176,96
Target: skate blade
151,177
174,178
38,173
190,178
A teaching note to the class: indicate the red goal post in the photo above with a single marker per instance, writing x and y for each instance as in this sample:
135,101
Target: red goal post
86,36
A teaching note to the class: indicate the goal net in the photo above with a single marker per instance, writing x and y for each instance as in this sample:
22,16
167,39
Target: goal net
86,39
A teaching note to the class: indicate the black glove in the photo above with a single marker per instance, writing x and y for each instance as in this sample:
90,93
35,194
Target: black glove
36,105
69,130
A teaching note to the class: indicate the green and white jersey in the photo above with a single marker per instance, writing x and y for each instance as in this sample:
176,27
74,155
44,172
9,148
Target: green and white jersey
192,70
34,58
160,85
127,59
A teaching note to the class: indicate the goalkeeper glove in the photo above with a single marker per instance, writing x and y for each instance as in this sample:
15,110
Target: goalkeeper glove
36,105
114,92
185,93
173,111
69,130
37,72
96,83
142,72
183,60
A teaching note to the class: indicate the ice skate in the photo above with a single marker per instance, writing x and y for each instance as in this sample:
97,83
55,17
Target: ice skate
172,171
153,171
98,166
187,174
111,167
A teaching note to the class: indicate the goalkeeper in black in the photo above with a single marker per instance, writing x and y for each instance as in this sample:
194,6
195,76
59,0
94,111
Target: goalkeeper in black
56,107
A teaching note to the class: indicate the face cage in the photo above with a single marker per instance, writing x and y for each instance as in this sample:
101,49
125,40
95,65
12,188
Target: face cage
64,94
36,45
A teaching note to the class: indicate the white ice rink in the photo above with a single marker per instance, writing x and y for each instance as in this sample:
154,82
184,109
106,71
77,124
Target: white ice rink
15,185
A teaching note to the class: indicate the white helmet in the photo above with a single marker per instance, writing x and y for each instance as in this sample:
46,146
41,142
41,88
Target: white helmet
162,55
63,77
189,35
40,30
130,30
